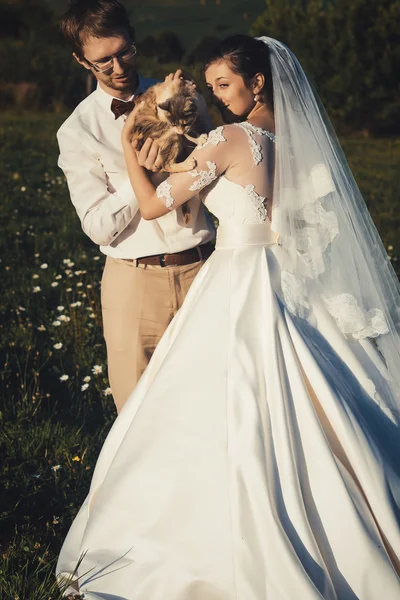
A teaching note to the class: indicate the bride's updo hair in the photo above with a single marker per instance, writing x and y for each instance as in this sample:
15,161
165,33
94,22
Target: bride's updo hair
246,57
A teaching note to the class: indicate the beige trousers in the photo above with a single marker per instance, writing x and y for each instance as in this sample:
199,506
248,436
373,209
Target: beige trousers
138,303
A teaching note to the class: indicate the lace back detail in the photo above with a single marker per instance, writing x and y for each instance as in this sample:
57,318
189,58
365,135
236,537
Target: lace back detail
256,148
257,204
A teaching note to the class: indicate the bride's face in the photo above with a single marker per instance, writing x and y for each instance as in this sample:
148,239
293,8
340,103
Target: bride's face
229,92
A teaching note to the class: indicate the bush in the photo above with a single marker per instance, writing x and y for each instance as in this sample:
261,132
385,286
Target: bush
350,49
166,46
32,54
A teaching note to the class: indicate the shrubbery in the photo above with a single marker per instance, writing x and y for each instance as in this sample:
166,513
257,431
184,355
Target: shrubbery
350,49
36,66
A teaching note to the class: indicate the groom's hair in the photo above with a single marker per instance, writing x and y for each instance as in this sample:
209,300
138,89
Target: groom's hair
94,18
246,57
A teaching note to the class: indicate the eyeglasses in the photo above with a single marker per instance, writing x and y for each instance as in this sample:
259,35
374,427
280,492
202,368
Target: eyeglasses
106,64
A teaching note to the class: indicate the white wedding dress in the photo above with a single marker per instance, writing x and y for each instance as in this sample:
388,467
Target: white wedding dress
254,459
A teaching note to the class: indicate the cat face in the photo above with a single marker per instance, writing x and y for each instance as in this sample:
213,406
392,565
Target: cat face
176,104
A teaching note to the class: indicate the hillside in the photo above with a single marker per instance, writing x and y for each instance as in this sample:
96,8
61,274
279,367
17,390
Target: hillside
191,20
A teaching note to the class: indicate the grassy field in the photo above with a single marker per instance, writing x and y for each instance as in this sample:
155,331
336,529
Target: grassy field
55,403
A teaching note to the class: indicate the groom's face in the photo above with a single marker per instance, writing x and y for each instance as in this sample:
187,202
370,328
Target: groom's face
120,78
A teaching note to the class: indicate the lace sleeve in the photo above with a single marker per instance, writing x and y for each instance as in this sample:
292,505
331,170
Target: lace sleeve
212,157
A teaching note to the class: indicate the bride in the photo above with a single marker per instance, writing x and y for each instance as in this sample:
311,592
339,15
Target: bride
258,457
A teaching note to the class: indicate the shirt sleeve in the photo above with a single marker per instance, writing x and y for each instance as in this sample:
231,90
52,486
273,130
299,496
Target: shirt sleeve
103,215
212,159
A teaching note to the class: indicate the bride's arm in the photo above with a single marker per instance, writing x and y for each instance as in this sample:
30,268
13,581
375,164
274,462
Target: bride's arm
211,159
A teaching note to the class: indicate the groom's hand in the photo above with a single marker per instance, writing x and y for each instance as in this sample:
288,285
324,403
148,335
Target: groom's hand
179,74
203,122
149,156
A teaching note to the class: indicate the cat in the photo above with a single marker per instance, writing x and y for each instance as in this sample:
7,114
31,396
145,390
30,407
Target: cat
166,112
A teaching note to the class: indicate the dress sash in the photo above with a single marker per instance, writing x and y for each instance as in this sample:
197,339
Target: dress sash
238,235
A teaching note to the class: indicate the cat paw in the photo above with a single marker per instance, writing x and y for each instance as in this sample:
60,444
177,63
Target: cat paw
202,139
187,165
190,164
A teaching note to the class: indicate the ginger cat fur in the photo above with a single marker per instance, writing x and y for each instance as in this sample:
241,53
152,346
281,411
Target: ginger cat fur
166,113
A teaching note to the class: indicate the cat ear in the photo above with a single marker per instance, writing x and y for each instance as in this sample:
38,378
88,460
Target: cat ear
165,105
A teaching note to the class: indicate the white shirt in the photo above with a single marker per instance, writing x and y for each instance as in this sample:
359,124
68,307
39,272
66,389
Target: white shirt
92,159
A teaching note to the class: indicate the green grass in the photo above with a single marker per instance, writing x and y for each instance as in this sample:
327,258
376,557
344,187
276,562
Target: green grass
51,430
44,422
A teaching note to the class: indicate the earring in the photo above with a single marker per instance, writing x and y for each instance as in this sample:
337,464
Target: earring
256,98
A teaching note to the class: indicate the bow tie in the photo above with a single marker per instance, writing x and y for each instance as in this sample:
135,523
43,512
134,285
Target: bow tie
119,107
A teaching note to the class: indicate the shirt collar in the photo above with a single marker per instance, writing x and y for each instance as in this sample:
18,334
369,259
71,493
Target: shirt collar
105,99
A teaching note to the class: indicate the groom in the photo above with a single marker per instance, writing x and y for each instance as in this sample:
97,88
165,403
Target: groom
150,265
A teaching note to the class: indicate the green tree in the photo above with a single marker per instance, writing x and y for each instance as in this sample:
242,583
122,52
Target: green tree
166,46
37,68
351,51
201,53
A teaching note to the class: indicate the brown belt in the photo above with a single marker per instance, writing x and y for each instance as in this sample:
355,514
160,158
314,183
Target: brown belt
186,257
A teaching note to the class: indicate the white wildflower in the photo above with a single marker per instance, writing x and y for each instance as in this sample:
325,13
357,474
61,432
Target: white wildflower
64,318
107,391
84,387
44,266
97,369
58,346
64,377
